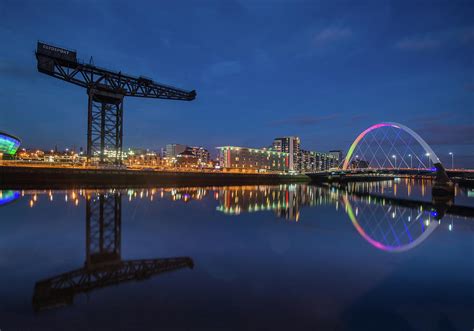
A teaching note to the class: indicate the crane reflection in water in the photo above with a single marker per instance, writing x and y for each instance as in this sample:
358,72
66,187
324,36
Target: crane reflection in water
104,265
384,214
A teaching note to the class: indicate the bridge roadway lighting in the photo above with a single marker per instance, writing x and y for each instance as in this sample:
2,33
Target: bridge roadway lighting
395,157
429,160
411,161
452,159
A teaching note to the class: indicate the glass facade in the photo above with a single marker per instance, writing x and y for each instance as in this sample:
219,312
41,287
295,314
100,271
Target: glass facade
8,144
290,145
316,161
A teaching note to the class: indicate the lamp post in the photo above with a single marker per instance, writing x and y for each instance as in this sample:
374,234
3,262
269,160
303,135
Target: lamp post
452,159
395,157
411,161
429,160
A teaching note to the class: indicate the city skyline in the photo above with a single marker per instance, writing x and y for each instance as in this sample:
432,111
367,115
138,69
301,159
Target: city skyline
227,164
284,79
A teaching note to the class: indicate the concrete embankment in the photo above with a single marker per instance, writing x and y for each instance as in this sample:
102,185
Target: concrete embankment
34,177
321,178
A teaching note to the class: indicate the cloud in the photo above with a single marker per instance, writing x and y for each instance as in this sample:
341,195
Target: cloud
469,87
418,44
434,40
304,121
468,35
432,119
331,34
358,117
458,134
225,68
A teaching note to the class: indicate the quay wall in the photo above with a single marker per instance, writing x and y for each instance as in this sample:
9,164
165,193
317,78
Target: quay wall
25,177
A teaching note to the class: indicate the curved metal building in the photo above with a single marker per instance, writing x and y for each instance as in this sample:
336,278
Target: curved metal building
8,144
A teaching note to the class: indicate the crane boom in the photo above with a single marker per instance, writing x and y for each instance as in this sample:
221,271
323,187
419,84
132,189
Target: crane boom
60,290
106,90
53,62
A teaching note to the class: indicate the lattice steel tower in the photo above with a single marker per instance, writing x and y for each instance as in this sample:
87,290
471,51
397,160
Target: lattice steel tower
106,90
104,265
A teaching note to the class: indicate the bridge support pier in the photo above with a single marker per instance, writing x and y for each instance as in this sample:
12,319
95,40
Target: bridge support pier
442,185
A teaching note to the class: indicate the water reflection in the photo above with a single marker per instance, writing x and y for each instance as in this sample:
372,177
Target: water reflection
8,196
285,200
393,216
104,265
390,227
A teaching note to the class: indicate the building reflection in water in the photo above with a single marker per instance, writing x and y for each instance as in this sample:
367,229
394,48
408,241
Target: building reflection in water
8,196
388,223
386,214
104,265
284,200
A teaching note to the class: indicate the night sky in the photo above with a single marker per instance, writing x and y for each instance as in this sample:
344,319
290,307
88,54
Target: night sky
324,71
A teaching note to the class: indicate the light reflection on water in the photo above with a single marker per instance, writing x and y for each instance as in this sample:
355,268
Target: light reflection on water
386,217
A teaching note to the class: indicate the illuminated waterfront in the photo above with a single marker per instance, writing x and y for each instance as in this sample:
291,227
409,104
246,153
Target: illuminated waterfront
290,251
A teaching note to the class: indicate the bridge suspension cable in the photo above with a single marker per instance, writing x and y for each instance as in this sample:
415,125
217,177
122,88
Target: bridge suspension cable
390,145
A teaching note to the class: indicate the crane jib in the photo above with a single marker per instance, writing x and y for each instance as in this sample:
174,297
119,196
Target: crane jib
106,90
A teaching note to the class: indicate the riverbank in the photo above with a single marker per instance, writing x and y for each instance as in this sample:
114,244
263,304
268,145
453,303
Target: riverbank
36,177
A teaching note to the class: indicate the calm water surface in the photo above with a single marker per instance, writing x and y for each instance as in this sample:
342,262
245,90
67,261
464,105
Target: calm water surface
242,257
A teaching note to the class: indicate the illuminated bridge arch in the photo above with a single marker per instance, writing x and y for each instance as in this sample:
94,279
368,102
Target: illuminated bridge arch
377,147
389,227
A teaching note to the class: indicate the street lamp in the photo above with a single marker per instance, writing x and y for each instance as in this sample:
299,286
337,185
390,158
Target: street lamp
411,161
356,163
452,159
429,160
395,157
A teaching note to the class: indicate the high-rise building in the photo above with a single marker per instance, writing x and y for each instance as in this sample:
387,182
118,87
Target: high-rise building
290,145
172,150
253,159
308,161
337,154
317,161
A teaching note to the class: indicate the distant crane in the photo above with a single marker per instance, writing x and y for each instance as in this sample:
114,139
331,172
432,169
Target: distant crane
106,90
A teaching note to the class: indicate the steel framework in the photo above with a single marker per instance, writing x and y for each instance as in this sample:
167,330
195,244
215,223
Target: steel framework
104,265
105,126
106,90
103,225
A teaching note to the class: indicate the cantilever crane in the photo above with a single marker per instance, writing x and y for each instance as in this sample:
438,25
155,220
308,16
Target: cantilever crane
104,265
106,90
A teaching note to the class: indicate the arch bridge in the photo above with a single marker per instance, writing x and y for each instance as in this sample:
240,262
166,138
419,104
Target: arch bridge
389,148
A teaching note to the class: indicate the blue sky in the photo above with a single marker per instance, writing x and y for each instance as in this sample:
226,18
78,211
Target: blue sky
322,70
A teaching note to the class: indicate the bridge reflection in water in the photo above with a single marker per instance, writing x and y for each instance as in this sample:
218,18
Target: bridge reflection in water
389,223
104,265
383,213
